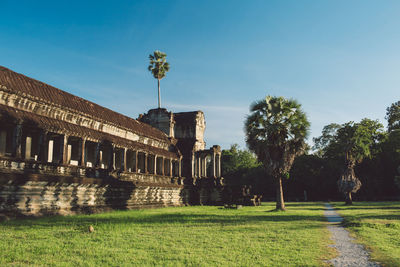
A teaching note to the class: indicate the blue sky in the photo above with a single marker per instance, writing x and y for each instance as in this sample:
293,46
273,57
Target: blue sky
339,59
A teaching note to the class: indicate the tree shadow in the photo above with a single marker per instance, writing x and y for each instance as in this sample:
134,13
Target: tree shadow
187,219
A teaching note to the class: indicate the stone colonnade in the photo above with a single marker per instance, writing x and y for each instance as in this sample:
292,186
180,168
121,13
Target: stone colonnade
207,163
27,141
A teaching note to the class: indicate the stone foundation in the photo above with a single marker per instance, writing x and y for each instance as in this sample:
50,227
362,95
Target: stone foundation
39,189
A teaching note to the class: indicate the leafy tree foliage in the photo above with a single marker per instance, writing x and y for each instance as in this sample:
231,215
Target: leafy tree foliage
235,159
314,177
350,142
159,68
393,116
240,168
326,139
276,131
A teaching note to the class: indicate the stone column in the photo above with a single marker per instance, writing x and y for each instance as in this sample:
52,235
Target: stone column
199,166
205,165
213,165
162,166
155,164
97,155
125,165
136,161
202,166
170,168
219,165
17,141
64,153
145,163
82,152
192,165
113,158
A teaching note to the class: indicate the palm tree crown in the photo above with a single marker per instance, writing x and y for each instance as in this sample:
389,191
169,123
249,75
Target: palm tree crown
158,64
159,68
276,131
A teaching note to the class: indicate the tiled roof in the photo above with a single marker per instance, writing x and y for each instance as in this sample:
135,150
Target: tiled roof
59,126
22,84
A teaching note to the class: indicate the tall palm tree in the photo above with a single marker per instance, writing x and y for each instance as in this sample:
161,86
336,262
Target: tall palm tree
159,68
276,130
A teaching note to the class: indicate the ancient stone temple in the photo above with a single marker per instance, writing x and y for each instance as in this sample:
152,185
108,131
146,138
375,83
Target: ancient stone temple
61,154
201,167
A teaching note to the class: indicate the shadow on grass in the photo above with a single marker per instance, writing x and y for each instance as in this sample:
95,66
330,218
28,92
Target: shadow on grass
186,218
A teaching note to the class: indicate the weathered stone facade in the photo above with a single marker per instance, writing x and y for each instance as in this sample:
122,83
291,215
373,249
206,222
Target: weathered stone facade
61,154
201,167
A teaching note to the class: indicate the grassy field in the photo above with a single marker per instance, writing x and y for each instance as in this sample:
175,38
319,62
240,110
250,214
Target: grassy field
377,226
184,236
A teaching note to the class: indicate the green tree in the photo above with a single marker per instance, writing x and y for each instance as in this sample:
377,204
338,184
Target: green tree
159,68
235,159
393,116
276,131
324,141
352,143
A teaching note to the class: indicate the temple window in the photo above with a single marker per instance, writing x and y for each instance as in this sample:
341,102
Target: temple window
118,158
55,148
6,138
74,151
106,155
208,166
131,161
159,165
175,168
141,162
30,144
90,153
150,163
167,167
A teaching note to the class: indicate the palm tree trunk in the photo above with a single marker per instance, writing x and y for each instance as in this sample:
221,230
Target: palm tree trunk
159,95
349,200
280,203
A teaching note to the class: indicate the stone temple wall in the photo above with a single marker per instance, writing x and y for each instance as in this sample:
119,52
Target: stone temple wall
36,189
61,154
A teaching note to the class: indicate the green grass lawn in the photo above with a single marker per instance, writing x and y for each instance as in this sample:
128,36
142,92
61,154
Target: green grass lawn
377,226
184,236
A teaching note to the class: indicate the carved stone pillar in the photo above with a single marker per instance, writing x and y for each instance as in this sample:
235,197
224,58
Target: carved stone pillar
82,153
192,165
219,165
162,166
199,166
155,164
17,150
125,168
64,154
97,155
145,163
170,168
213,165
136,161
113,159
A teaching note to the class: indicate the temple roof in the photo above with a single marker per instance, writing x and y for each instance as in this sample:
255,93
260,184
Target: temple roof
59,126
23,85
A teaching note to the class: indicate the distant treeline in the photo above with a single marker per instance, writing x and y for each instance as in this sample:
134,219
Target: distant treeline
314,175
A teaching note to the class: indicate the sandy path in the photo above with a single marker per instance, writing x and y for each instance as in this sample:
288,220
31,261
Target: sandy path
350,254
